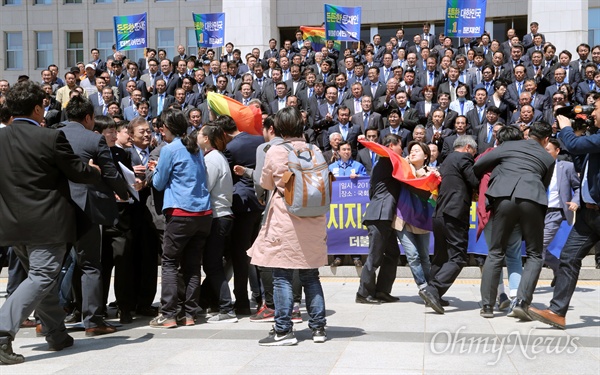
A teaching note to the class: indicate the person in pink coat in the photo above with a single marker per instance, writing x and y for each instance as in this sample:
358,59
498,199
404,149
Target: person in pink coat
287,242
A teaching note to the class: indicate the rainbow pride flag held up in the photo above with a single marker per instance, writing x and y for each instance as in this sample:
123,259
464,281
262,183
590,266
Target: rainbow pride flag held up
316,35
402,171
414,208
247,118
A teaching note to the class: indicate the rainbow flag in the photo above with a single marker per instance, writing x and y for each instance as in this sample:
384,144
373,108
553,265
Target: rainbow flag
317,37
402,171
247,118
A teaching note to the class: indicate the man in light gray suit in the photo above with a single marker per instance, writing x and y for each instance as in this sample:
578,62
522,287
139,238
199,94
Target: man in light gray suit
522,171
96,206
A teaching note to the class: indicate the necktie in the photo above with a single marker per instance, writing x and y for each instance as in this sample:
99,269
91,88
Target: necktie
566,74
373,88
487,86
490,130
330,108
117,80
144,155
480,113
260,82
394,131
478,75
344,131
591,84
160,104
100,100
366,122
245,101
462,108
373,158
519,87
430,79
105,110
547,64
350,74
310,92
497,73
152,80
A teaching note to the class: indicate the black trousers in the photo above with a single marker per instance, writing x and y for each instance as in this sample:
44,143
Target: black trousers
384,253
451,239
506,213
117,253
245,227
184,241
215,288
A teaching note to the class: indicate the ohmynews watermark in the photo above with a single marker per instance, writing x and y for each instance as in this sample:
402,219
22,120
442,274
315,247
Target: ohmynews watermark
530,345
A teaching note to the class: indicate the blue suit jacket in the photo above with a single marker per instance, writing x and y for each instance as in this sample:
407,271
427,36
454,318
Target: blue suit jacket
586,150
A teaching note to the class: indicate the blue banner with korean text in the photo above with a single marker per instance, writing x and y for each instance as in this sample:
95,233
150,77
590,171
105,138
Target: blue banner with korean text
131,32
346,233
210,29
465,18
342,23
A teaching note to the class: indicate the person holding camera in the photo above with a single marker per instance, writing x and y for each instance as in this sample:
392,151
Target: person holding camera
586,230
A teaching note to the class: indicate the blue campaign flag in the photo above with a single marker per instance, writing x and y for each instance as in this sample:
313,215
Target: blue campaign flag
210,29
342,23
131,32
465,18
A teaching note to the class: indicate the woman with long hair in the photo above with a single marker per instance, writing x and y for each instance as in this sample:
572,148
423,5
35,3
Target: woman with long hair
181,174
413,239
212,140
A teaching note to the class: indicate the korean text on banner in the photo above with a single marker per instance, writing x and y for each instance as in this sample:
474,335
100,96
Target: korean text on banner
465,18
131,32
210,29
342,23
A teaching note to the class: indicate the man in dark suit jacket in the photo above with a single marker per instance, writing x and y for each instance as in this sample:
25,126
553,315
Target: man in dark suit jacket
154,99
367,118
365,156
38,161
586,230
383,244
351,132
97,206
521,174
451,221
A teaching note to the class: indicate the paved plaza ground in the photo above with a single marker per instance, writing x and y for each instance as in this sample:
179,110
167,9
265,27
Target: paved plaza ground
395,338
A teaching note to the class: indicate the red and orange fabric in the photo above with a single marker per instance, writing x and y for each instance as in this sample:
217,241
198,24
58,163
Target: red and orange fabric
402,171
247,118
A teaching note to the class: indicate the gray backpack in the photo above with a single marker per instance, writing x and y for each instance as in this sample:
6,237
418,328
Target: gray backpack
308,181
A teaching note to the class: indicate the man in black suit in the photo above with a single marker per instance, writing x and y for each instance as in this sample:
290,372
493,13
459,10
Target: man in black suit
383,244
161,100
97,206
146,243
343,126
38,161
451,221
522,171
485,134
365,156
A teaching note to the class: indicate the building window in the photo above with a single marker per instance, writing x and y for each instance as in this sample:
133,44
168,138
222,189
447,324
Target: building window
166,40
104,43
74,47
14,50
42,2
12,2
134,1
103,1
44,49
192,44
72,1
594,26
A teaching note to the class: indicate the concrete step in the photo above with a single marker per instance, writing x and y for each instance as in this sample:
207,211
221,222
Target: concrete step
588,271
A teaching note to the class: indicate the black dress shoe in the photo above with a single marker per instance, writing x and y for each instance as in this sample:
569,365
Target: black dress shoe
367,300
521,311
124,317
444,302
386,297
487,311
58,346
432,300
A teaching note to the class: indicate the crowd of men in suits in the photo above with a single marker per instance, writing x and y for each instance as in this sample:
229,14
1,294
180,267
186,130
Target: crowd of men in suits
425,90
